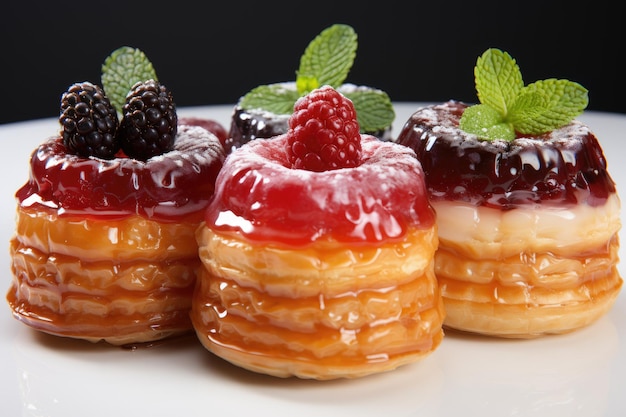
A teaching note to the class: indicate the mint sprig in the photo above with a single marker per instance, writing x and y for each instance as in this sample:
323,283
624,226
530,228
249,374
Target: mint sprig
373,109
507,106
121,70
327,60
274,98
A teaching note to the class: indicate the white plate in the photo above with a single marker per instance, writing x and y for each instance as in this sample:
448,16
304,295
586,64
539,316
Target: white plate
578,374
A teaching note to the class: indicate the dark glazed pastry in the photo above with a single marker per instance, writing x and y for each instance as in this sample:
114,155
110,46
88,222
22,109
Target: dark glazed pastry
528,225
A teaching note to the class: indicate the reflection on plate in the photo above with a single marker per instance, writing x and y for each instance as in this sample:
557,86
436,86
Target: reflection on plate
578,374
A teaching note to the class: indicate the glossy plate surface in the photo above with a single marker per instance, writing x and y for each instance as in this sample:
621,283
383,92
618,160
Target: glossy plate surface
578,374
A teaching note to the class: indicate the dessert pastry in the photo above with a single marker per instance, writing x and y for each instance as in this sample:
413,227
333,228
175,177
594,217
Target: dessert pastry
104,247
318,252
528,223
264,112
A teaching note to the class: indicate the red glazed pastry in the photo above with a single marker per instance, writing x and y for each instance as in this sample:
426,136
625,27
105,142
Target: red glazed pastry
104,247
319,258
528,227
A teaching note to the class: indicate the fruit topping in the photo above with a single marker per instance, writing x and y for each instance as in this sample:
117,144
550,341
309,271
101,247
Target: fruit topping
88,121
323,132
327,60
139,117
149,122
508,108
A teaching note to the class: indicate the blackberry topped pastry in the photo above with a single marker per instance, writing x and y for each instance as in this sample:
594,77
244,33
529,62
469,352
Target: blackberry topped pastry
104,247
264,111
527,212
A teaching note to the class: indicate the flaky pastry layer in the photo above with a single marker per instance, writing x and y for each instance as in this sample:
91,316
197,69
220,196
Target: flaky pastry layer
325,311
128,238
544,271
91,279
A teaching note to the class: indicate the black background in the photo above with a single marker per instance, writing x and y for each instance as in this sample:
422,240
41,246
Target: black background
214,52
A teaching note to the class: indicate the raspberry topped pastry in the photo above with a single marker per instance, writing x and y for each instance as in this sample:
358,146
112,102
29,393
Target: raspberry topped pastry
105,244
318,251
528,215
264,111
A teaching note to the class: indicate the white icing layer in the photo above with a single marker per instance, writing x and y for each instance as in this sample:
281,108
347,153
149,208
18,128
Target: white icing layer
495,233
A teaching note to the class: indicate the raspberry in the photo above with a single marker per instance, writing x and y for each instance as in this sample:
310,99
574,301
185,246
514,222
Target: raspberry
149,122
323,132
88,122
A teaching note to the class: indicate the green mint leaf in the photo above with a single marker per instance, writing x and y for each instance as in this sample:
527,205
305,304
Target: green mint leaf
275,98
498,79
121,70
374,109
486,122
561,102
528,106
327,60
508,107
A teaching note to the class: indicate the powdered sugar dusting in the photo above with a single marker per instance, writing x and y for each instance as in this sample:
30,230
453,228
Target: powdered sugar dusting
198,145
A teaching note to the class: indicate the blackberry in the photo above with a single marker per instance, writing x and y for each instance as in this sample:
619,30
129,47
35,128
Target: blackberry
88,121
149,121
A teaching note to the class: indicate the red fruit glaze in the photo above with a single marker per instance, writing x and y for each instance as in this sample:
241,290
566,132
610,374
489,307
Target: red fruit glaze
565,166
211,125
258,194
323,132
171,186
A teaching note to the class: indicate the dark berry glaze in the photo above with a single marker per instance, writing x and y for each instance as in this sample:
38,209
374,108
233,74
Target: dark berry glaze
170,187
565,166
247,125
258,195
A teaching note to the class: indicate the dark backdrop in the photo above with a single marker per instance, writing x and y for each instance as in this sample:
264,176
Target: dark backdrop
213,52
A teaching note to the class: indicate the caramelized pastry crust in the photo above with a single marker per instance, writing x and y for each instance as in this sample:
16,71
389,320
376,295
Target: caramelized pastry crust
326,311
524,273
